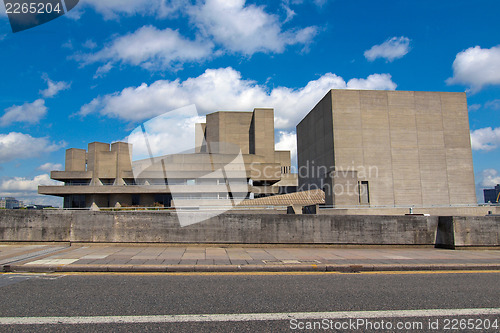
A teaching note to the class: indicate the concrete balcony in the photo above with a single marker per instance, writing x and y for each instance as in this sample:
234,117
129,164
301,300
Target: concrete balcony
68,175
142,189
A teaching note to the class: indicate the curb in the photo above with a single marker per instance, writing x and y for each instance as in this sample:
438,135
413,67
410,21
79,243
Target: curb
353,268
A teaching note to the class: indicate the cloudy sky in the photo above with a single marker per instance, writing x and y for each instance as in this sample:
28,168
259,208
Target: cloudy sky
108,66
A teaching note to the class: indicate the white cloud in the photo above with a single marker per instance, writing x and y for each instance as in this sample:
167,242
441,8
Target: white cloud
21,146
494,104
26,190
89,44
53,88
290,14
112,9
489,178
474,107
246,29
485,138
391,49
177,126
476,68
68,45
373,82
318,3
222,27
23,185
50,167
150,48
224,89
288,141
103,70
28,113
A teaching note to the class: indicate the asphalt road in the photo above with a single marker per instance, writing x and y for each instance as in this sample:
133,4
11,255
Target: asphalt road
153,298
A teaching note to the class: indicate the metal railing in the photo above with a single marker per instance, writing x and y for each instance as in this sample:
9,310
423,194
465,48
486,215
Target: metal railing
176,209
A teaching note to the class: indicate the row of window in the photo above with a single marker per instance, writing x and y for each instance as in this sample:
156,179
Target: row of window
79,201
156,181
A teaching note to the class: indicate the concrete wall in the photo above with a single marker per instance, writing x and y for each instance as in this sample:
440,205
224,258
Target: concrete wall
315,153
85,226
435,211
248,228
463,231
418,143
231,127
18,225
263,133
76,159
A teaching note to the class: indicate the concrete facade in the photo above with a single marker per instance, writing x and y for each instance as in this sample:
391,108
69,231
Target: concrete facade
234,159
388,148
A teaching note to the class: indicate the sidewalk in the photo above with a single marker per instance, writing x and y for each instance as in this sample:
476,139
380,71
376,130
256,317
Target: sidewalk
234,258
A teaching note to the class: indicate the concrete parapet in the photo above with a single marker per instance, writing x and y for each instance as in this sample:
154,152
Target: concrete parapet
461,231
163,227
435,211
35,226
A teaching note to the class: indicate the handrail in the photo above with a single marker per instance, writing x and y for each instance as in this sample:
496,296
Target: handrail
186,208
400,206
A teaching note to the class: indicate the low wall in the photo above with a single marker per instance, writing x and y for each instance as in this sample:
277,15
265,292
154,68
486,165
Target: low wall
434,211
468,231
163,227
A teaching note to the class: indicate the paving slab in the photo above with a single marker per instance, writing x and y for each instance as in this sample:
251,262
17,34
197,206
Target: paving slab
189,258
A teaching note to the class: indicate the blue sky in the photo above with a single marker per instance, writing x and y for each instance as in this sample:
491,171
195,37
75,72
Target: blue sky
107,66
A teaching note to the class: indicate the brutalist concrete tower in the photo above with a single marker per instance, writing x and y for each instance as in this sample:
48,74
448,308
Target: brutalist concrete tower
388,148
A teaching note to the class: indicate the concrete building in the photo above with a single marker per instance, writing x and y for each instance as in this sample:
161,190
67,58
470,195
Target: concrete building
492,195
10,203
387,148
234,159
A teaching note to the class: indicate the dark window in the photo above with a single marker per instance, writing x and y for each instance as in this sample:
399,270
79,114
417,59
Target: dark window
136,199
129,181
107,181
74,201
364,193
164,199
77,182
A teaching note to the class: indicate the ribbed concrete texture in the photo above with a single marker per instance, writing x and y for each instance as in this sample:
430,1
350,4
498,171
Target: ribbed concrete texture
388,148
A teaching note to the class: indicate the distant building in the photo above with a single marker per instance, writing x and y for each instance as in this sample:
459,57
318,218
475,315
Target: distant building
38,207
492,195
387,148
234,159
10,203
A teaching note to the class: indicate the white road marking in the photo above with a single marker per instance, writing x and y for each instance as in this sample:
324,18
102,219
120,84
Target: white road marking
247,317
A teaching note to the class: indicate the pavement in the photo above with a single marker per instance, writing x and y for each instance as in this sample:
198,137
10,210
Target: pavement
48,258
